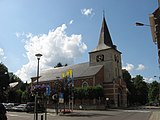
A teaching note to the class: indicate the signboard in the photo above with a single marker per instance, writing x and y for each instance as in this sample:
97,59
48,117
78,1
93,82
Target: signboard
48,90
61,100
61,97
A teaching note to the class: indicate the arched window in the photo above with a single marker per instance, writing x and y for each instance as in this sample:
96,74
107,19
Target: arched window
84,84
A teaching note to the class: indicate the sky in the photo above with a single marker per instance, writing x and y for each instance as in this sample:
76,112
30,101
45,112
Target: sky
67,30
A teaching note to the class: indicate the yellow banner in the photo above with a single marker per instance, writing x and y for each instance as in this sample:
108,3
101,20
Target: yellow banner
70,72
63,75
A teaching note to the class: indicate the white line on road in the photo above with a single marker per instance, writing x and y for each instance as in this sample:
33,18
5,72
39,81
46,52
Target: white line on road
143,111
14,115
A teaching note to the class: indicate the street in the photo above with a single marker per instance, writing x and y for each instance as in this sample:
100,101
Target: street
87,115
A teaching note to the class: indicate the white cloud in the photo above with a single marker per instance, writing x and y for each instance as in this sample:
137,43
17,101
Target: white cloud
18,34
2,55
129,67
140,67
86,11
71,22
1,52
149,80
55,47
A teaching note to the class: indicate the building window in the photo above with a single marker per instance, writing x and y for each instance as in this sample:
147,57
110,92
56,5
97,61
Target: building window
84,84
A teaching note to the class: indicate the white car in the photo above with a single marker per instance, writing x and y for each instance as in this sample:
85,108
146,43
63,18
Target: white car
21,107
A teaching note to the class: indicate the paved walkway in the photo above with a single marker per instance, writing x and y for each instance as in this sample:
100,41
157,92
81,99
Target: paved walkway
155,115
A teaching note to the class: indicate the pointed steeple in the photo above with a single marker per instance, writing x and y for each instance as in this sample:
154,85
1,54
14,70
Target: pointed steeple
105,40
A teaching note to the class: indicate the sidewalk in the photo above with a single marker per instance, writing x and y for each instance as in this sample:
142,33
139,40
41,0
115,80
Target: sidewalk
155,115
51,110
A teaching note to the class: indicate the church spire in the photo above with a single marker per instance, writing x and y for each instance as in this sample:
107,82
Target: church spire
105,40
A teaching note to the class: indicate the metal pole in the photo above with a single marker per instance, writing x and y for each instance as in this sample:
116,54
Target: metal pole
35,99
72,99
37,84
38,71
41,117
159,87
36,107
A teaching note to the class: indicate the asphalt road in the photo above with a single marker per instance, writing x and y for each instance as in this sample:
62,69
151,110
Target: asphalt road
87,115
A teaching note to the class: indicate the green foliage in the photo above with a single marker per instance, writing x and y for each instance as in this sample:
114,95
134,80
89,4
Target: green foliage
89,92
10,95
4,81
137,89
130,86
60,65
13,78
25,97
153,93
3,68
141,87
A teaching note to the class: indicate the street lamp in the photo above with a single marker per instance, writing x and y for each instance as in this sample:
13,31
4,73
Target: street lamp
38,58
141,24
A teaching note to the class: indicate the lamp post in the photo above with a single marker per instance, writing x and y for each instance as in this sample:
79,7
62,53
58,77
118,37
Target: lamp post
141,24
38,58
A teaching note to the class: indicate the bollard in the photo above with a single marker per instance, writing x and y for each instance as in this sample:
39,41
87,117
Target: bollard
41,117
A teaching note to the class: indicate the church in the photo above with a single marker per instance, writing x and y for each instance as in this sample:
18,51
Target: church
103,68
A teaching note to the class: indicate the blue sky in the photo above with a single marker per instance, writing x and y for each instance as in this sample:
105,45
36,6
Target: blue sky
66,30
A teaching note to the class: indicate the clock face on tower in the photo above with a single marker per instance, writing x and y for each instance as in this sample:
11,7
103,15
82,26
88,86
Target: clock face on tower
100,58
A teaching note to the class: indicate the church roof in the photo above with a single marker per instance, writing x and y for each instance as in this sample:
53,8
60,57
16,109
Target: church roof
79,70
105,41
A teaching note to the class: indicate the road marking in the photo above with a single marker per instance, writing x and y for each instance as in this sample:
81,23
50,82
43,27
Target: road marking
52,114
143,111
14,115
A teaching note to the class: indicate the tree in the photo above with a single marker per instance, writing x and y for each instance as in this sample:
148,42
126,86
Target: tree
141,87
90,92
153,93
13,78
98,91
58,65
4,81
130,86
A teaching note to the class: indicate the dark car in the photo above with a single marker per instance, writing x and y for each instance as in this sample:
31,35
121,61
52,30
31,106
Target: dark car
3,112
30,107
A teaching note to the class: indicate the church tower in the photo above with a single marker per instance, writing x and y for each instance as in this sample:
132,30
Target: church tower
106,54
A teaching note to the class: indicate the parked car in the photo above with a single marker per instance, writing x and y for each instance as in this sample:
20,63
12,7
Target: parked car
3,113
31,106
65,111
9,106
21,108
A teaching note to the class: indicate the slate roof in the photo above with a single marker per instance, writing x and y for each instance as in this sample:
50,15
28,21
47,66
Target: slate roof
79,70
105,40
